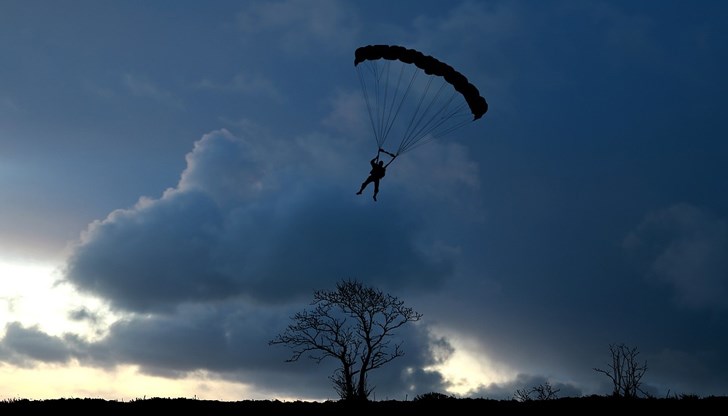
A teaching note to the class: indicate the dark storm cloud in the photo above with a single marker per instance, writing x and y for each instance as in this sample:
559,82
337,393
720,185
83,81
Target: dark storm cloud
227,339
84,314
246,221
526,383
24,346
221,338
138,266
218,263
685,248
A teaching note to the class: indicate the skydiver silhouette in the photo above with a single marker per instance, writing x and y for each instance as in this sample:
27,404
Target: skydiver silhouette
379,169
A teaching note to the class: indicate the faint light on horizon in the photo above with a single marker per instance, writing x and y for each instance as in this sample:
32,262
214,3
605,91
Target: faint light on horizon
469,368
30,295
123,383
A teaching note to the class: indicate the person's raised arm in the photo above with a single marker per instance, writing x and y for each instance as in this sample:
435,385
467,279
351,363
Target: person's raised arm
388,163
384,151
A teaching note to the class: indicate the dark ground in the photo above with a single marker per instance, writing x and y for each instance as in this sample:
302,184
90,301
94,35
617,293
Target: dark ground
583,405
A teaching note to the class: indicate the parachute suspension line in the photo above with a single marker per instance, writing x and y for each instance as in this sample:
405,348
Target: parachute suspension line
381,102
433,125
365,91
381,86
405,93
430,119
385,115
414,133
414,110
383,105
411,125
439,118
380,108
457,110
445,132
449,129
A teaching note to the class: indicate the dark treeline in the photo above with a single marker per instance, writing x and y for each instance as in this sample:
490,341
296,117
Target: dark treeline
582,405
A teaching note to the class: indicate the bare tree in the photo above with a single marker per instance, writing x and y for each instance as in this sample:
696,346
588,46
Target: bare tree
543,391
523,395
353,324
625,372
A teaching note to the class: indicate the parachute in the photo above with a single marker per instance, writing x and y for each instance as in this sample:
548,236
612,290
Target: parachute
413,98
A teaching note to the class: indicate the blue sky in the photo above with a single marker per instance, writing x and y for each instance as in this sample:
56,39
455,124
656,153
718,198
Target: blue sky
178,179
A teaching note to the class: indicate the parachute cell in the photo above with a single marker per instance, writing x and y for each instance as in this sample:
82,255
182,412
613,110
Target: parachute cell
414,96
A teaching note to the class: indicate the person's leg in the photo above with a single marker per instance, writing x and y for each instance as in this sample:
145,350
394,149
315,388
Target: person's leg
364,185
376,188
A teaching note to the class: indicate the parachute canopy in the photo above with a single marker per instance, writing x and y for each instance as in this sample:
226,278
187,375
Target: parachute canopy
412,97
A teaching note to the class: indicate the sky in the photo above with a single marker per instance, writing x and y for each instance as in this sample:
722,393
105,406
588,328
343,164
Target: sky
178,179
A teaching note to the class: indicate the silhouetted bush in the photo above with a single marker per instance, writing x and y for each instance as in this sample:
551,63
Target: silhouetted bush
433,396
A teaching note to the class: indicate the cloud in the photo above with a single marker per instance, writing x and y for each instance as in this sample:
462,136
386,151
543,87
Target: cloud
685,248
248,221
142,87
347,114
84,314
229,341
204,275
299,25
247,84
22,346
525,382
688,372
